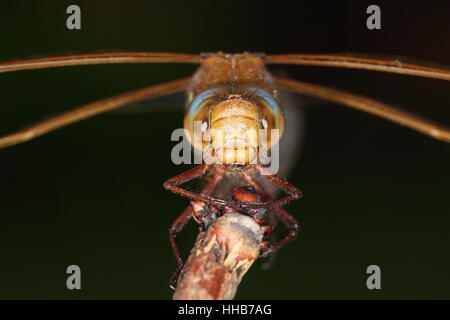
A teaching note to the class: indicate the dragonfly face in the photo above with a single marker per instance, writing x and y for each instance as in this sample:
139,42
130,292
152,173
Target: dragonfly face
235,124
231,121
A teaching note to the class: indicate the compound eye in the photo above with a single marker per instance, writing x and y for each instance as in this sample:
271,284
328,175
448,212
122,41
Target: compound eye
272,117
197,120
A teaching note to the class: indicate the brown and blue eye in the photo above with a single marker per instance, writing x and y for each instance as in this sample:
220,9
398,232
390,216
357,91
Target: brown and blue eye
201,99
266,98
271,114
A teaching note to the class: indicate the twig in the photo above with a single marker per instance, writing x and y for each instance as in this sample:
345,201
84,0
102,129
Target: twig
221,256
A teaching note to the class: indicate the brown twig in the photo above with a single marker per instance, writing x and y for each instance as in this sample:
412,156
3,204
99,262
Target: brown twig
221,256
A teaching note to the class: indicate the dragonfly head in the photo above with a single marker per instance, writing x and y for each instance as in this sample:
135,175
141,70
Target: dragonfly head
235,126
233,129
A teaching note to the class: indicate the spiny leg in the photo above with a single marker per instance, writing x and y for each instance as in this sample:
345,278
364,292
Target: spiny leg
272,219
291,223
178,225
203,212
173,184
93,109
293,193
182,221
368,105
186,215
285,217
184,218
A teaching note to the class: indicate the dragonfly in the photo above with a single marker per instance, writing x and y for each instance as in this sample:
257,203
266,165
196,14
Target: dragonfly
232,96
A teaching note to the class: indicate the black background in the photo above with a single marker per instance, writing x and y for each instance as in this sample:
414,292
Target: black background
91,194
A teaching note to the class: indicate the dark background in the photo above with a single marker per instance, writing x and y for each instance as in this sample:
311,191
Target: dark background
91,194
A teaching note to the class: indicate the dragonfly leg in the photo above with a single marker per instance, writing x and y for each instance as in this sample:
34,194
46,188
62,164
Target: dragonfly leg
271,237
173,184
291,223
282,214
293,193
175,228
293,226
186,216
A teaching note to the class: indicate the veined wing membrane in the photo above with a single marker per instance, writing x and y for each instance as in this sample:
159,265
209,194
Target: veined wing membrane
368,105
93,109
355,62
168,103
99,58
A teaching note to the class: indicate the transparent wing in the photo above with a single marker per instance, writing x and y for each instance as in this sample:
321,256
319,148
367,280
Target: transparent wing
99,58
392,65
169,103
93,109
368,105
